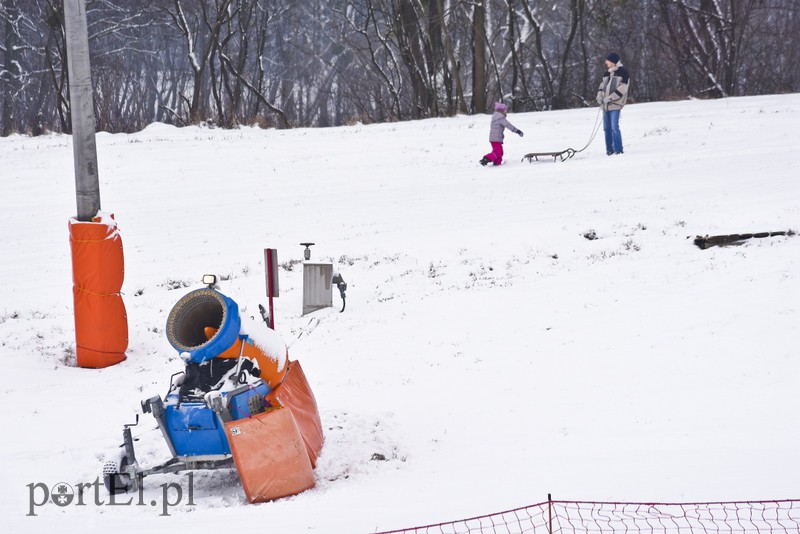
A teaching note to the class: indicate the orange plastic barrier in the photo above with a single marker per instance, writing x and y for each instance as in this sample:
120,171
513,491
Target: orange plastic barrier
270,455
295,393
273,366
101,322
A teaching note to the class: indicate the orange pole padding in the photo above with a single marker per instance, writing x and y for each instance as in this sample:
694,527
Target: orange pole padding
273,366
269,455
101,322
295,393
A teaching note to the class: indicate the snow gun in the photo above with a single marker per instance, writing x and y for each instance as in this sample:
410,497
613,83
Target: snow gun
239,403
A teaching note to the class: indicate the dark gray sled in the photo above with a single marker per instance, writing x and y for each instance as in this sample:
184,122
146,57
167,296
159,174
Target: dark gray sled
562,155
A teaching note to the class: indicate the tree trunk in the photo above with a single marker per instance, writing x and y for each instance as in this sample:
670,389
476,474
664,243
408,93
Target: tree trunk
455,75
479,57
10,74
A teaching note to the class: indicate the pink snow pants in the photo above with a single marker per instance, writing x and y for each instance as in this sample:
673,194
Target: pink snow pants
496,155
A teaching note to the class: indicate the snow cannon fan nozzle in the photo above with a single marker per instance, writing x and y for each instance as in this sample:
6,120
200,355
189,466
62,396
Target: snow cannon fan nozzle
196,311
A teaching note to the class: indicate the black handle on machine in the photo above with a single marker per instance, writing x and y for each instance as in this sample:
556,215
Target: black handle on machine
265,316
342,285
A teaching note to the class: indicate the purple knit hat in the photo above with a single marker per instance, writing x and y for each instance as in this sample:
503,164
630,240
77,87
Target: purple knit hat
499,106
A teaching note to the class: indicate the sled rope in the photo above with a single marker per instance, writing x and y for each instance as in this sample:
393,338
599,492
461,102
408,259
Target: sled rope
564,155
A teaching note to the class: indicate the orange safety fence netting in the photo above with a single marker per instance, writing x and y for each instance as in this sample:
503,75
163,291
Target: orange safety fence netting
579,517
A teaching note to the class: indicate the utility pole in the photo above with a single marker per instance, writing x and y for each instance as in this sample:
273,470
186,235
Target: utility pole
87,184
98,264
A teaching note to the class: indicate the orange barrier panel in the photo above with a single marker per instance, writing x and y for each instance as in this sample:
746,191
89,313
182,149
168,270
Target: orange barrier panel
270,455
295,393
101,322
273,366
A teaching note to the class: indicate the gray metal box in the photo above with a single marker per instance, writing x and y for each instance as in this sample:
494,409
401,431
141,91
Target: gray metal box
317,286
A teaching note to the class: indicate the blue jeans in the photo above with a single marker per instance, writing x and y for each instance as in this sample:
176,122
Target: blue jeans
613,135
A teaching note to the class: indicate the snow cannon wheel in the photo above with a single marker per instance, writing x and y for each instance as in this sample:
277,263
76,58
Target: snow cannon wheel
116,478
196,311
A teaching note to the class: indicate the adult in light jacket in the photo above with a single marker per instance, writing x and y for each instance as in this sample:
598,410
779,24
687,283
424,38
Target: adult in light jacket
612,96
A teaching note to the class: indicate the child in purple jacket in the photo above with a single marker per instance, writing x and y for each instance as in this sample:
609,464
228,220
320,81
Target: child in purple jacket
496,134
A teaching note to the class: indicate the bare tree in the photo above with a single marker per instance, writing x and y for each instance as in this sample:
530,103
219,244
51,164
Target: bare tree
479,57
10,68
707,36
456,103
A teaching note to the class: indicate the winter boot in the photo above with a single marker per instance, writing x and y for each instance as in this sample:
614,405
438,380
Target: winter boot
484,160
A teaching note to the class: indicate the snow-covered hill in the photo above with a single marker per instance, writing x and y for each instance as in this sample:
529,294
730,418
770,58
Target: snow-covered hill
490,352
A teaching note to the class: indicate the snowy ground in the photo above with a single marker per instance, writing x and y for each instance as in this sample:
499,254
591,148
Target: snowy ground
489,351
